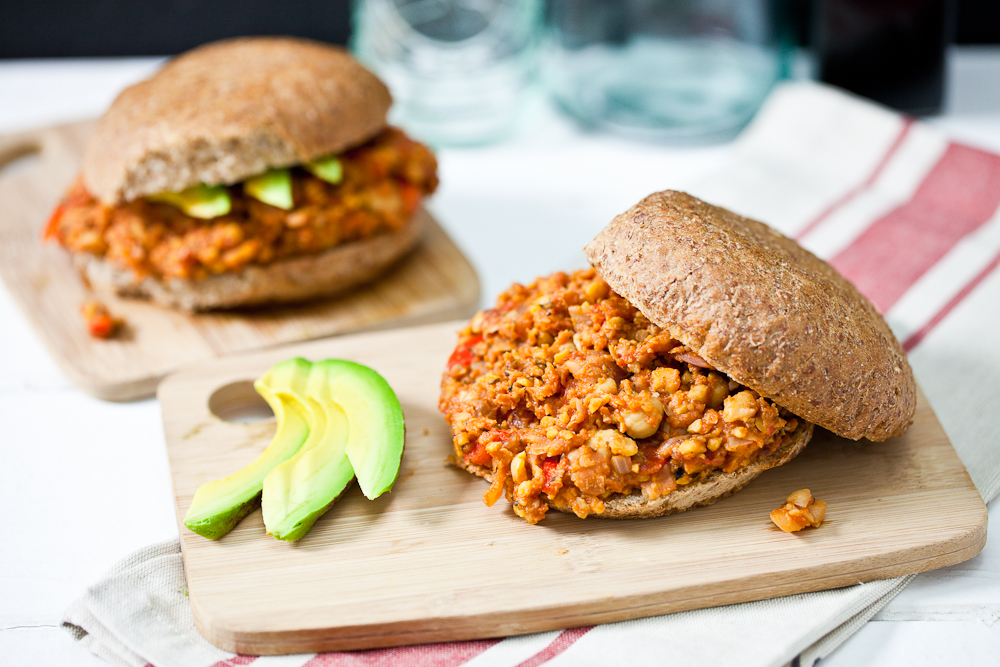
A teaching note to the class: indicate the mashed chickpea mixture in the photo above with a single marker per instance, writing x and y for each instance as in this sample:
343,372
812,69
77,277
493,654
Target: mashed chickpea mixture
564,394
383,183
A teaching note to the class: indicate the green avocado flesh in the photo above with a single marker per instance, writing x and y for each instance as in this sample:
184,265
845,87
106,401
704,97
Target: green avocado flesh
218,506
304,487
328,169
336,420
273,187
375,424
200,201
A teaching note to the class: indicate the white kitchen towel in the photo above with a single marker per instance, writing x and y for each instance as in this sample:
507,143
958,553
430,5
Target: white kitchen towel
907,215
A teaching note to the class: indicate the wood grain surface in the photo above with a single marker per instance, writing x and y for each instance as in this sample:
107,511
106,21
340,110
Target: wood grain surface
430,562
434,283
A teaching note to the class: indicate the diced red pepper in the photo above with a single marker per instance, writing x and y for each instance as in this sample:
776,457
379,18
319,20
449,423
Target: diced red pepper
716,458
101,327
52,226
77,195
100,323
651,462
411,197
550,468
478,454
463,356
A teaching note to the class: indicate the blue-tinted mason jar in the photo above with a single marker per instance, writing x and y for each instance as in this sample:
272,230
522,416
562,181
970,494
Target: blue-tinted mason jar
683,70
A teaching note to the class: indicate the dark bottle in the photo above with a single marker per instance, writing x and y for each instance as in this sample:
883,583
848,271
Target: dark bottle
890,51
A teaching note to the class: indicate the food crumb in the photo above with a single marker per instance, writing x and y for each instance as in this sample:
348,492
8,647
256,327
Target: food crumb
100,322
800,510
562,551
427,431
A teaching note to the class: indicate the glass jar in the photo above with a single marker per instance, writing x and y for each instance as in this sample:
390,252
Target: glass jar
675,69
456,68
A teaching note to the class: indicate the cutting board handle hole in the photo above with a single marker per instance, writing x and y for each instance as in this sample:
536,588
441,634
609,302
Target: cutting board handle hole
239,402
19,158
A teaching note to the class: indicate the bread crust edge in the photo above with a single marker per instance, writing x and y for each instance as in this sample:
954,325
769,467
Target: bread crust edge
715,487
325,274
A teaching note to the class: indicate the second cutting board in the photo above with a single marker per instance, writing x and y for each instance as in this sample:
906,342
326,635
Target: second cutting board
435,282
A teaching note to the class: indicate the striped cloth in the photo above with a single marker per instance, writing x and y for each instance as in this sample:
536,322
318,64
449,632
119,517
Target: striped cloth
908,216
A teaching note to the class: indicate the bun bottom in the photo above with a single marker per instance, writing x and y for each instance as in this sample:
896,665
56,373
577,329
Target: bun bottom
323,274
714,487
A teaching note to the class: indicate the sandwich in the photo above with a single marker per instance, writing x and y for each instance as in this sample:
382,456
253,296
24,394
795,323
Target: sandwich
247,171
700,349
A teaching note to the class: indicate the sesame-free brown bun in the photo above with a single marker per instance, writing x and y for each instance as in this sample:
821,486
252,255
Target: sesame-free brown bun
713,487
324,274
763,310
229,110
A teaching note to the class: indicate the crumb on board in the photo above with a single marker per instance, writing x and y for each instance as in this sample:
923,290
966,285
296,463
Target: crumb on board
800,510
100,323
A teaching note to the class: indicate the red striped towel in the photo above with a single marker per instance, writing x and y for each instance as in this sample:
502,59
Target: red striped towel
907,215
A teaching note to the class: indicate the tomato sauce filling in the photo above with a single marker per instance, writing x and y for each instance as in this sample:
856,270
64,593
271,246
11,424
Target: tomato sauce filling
565,395
384,181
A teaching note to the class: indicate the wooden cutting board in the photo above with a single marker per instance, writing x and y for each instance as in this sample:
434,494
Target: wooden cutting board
434,283
430,562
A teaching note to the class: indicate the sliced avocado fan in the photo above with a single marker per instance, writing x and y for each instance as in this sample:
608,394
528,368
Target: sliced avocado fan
302,489
273,187
217,506
351,408
198,201
336,420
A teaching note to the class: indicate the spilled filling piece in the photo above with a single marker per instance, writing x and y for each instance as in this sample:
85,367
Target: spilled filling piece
565,395
382,184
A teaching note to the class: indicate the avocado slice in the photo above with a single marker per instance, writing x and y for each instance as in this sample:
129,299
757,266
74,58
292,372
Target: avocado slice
199,201
374,420
273,187
217,506
300,490
328,169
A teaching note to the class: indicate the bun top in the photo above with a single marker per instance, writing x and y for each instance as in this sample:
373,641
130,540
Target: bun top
229,110
763,310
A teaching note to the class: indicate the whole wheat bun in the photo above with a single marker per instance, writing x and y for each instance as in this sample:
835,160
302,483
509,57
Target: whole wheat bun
229,110
758,307
300,278
715,486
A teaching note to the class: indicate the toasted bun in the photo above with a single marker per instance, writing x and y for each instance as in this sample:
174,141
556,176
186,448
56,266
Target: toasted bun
229,110
758,307
295,279
716,486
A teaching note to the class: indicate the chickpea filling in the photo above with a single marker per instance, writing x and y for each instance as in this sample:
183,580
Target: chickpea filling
382,185
564,395
800,511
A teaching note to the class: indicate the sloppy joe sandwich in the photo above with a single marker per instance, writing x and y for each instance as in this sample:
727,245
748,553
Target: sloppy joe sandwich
247,171
699,350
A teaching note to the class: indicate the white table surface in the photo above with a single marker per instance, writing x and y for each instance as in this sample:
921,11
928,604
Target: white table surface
84,482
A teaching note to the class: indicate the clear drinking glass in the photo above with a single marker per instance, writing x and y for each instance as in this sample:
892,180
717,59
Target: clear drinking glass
676,69
456,68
